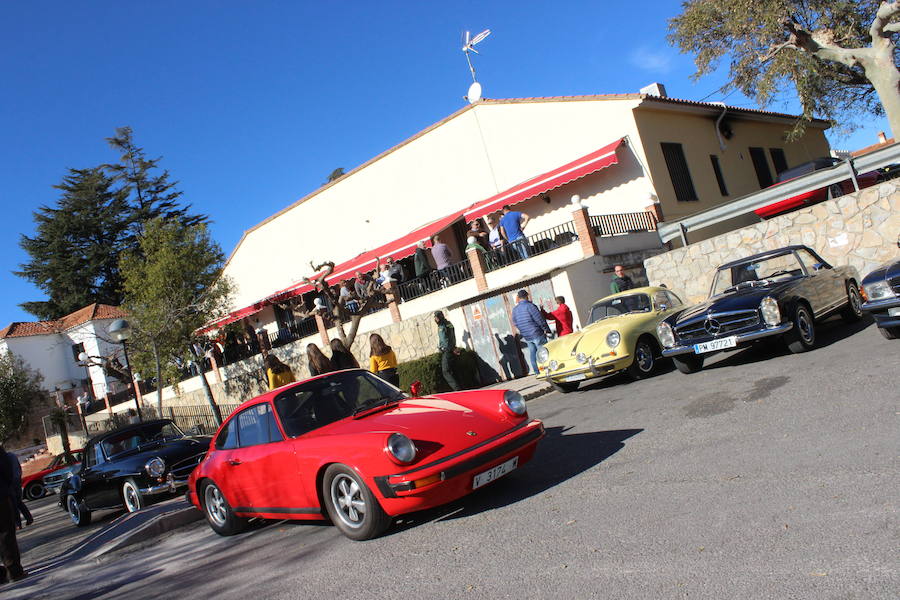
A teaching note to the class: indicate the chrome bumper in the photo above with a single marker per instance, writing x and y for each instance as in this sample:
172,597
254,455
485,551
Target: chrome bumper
740,338
884,304
170,486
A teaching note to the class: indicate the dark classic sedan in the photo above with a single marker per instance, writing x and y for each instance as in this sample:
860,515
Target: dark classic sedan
881,292
129,466
782,292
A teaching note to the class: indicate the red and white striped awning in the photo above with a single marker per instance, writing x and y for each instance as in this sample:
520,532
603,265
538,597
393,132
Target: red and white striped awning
569,172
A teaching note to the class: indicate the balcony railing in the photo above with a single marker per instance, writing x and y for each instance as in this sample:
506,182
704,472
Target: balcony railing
436,280
607,225
294,331
544,241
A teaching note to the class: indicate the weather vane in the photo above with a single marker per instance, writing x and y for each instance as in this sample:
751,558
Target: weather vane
469,46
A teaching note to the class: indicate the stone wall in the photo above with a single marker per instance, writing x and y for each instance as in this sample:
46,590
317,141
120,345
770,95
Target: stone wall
859,229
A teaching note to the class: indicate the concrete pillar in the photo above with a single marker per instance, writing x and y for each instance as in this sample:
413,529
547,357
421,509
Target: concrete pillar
323,329
583,228
393,304
476,260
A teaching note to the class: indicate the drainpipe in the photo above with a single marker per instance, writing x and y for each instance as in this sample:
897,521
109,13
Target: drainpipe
719,122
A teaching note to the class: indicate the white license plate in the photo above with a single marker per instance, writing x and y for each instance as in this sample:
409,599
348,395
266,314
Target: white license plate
729,342
579,377
495,473
894,312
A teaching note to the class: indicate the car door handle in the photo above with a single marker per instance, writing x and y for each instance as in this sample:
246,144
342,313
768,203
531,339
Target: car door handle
234,462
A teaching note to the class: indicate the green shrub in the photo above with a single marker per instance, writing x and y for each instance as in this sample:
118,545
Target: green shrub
428,371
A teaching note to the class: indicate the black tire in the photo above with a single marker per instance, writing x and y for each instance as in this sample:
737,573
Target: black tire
218,512
35,490
644,360
78,512
351,506
564,387
132,497
853,311
688,364
889,333
803,336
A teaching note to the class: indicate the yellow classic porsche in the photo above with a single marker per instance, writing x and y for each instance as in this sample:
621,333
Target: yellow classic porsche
621,336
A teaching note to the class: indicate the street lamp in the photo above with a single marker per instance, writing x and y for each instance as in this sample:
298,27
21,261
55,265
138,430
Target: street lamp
120,331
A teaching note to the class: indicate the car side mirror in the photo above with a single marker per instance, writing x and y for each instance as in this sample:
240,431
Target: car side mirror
818,266
663,306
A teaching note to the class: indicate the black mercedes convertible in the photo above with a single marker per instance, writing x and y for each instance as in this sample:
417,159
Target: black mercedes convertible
782,292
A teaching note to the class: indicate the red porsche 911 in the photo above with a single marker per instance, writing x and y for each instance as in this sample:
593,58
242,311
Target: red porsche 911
350,447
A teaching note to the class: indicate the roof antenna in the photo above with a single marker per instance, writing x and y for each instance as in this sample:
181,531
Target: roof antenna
474,94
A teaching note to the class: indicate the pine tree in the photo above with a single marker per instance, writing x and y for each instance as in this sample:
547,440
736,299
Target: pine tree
74,256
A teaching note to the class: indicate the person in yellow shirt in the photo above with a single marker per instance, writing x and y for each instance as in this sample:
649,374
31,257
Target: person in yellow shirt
279,373
382,360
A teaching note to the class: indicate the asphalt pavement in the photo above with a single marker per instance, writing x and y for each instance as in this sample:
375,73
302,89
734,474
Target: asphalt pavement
766,475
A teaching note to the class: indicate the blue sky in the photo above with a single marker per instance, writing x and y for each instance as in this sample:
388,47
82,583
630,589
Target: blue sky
253,104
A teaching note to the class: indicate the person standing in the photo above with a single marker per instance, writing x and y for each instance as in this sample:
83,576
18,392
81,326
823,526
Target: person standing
317,362
531,325
442,256
620,281
341,358
562,317
15,492
481,236
512,225
420,261
382,360
447,348
278,373
9,547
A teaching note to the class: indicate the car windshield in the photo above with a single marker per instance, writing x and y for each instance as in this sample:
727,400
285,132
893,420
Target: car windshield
321,401
758,272
134,437
620,305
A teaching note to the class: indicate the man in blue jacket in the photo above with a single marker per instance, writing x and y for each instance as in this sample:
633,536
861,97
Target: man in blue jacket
531,325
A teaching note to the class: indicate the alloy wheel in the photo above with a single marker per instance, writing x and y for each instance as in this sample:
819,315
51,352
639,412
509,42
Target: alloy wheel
347,497
214,502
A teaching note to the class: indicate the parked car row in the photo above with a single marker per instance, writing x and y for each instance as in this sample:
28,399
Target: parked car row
780,294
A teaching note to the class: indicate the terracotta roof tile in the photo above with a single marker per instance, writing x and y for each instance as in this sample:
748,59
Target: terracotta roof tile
91,312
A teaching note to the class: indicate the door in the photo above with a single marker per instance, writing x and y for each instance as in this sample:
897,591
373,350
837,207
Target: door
98,489
483,341
505,339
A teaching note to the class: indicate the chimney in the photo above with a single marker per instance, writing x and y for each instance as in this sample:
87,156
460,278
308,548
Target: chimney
881,137
655,89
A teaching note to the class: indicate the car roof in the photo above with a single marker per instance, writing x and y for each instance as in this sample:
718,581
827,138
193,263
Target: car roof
101,436
766,254
825,162
649,289
270,395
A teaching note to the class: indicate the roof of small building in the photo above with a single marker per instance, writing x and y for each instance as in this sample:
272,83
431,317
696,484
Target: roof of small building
91,312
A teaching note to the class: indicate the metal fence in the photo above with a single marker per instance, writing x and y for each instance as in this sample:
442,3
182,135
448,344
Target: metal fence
544,241
436,280
296,330
607,225
198,419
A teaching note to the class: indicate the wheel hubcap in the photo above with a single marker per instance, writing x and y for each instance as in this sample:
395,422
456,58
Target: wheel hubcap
644,358
215,505
73,509
131,500
854,301
346,495
805,327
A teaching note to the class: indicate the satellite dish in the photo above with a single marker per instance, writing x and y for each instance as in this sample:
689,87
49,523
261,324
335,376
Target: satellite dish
474,94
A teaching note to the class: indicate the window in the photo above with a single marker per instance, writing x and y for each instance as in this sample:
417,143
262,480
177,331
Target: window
674,300
763,175
228,436
93,456
256,426
678,172
717,169
779,160
76,350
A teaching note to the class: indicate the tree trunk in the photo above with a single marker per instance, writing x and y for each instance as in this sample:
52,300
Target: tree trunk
885,79
159,381
207,391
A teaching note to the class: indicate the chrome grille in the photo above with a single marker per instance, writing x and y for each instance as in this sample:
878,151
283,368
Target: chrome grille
895,285
718,325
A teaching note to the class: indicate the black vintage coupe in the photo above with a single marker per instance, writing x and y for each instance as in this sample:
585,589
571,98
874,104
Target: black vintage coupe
881,292
129,466
781,292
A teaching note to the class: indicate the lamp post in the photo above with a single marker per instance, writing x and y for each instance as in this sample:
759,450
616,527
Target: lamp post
120,331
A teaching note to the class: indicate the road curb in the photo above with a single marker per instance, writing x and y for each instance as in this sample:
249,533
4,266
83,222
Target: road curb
154,527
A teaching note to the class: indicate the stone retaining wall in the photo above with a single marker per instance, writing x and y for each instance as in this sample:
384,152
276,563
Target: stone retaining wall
859,229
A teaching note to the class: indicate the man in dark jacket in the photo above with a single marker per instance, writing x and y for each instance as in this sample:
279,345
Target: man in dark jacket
15,491
531,325
9,548
447,347
620,281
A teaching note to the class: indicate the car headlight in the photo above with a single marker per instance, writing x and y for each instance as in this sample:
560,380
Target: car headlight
771,314
613,338
400,448
582,357
543,355
878,290
514,402
665,334
74,483
554,365
155,467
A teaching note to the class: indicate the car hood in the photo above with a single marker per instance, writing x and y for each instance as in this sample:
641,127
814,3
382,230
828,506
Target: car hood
890,270
743,299
440,419
172,451
593,337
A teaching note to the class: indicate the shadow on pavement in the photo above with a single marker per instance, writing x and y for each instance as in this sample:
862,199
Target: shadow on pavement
559,457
